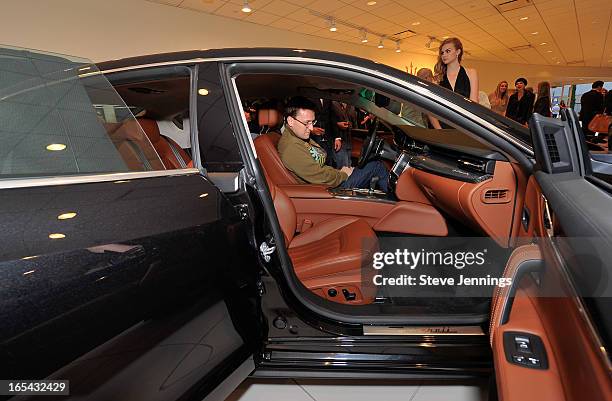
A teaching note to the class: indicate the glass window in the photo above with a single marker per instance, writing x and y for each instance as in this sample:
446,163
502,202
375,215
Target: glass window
61,117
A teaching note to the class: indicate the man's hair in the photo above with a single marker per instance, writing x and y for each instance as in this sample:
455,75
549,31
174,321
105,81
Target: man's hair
523,80
296,103
597,84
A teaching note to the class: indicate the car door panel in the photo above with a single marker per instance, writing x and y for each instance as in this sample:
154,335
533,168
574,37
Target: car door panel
566,301
150,272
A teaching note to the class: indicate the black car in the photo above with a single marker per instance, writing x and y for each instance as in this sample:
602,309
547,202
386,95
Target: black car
155,247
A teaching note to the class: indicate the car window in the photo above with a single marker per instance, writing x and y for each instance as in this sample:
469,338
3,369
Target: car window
61,117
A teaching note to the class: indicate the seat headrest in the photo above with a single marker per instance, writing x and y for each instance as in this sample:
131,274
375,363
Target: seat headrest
150,128
269,117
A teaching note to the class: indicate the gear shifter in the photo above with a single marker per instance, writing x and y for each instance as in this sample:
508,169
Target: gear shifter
373,182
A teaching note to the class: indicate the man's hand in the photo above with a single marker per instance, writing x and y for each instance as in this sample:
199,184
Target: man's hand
317,131
343,124
347,170
337,144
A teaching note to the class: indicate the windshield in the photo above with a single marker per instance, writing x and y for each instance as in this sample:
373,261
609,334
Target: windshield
60,116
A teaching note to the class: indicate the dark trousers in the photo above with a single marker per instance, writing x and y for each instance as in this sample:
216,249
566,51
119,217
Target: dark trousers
361,177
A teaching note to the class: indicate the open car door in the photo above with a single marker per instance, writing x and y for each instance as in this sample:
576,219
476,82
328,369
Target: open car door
550,330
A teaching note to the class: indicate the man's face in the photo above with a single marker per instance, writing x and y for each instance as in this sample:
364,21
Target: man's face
302,123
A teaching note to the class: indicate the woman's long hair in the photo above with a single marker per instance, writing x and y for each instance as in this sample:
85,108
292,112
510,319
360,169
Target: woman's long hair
498,94
440,68
543,89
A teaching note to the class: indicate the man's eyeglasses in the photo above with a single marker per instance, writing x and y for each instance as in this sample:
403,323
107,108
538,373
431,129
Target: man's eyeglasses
307,123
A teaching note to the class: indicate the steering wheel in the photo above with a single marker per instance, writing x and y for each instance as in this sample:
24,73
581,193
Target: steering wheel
368,145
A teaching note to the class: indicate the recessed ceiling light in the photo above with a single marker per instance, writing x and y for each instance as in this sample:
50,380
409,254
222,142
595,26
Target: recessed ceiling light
203,92
371,3
445,37
524,18
380,44
558,62
416,23
245,7
56,146
66,216
543,43
57,236
548,51
397,47
535,33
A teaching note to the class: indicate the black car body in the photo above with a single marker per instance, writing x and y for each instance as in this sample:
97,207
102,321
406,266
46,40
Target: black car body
159,268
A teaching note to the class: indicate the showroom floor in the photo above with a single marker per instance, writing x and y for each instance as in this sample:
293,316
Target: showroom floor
356,390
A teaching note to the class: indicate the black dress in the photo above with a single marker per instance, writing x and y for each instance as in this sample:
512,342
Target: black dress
462,85
542,106
520,110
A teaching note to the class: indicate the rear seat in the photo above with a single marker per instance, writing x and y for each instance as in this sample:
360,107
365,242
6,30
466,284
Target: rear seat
171,154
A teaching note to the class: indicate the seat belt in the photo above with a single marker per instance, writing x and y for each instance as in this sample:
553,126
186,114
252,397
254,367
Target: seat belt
176,153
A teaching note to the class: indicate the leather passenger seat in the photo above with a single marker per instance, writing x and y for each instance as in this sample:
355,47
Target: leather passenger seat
171,154
328,257
265,145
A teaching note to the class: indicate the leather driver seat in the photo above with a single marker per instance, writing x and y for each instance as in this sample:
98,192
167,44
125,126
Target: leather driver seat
328,257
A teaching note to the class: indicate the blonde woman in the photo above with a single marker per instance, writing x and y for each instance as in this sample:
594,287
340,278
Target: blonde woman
499,98
450,74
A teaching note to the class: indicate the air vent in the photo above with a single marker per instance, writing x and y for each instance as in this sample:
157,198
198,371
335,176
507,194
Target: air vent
551,145
509,5
496,196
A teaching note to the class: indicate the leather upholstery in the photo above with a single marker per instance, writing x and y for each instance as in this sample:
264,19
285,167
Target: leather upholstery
162,145
268,117
265,145
332,246
132,145
328,255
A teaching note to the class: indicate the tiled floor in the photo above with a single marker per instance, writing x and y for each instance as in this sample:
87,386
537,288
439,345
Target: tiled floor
327,390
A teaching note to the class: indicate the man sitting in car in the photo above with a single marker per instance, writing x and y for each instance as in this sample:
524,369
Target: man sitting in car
306,159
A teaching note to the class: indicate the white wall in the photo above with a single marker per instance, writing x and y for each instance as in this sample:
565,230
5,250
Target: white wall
109,29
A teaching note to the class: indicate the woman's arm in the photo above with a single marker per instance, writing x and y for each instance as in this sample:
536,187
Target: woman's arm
473,76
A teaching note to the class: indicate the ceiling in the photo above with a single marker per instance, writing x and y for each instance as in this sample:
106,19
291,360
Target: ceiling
553,32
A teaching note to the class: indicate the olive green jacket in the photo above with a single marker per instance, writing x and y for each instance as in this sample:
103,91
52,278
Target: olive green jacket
306,159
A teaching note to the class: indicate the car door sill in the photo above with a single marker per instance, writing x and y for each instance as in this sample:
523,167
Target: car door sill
423,330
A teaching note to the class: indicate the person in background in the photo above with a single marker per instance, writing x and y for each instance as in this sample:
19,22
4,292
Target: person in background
428,120
555,110
542,105
499,98
592,103
450,74
325,132
520,104
608,103
483,99
345,119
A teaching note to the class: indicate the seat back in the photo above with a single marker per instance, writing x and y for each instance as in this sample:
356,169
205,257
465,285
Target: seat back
268,119
171,154
285,211
265,145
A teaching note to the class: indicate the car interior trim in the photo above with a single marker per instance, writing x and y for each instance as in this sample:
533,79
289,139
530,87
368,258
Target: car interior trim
91,178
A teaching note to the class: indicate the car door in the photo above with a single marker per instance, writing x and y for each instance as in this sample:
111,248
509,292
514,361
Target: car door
128,280
550,331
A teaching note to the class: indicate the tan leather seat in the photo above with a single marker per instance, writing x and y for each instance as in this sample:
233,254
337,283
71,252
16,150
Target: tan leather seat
265,145
171,154
328,257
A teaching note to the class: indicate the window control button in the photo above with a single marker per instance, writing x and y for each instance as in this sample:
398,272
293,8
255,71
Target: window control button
522,344
533,361
519,359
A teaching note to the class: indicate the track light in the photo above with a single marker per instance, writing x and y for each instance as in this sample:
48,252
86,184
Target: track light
332,27
397,47
429,42
245,7
364,38
380,43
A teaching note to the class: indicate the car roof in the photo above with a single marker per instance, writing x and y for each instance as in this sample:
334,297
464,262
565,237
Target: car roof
265,52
